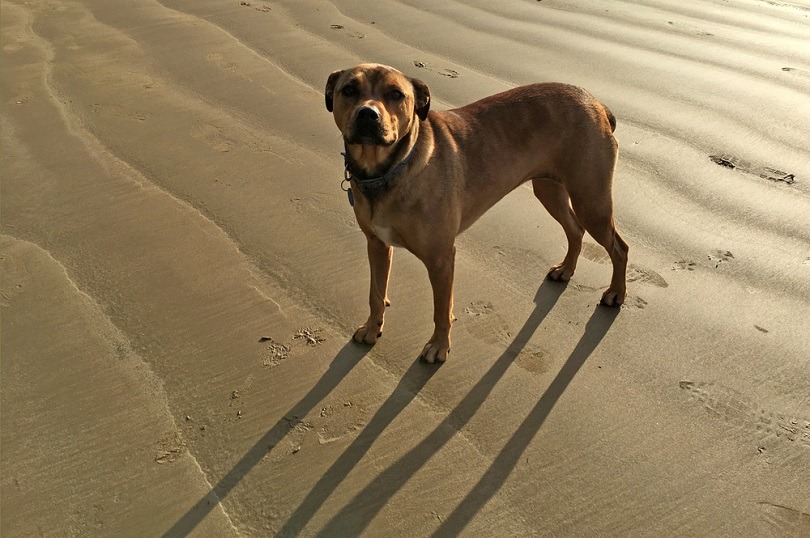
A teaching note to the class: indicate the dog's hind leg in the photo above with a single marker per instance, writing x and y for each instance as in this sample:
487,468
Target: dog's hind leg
593,208
555,199
440,263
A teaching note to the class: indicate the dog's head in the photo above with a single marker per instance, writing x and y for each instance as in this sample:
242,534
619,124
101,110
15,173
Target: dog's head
375,105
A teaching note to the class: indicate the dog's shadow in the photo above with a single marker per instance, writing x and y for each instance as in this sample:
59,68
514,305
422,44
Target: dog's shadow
356,515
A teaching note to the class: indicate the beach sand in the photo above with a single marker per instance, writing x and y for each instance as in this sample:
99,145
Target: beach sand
181,275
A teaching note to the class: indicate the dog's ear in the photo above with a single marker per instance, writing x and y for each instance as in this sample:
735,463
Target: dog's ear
330,88
422,98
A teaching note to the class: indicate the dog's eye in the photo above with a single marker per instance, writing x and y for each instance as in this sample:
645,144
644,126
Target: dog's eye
349,91
395,95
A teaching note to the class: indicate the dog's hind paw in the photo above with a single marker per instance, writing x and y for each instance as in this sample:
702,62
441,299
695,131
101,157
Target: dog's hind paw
612,298
368,333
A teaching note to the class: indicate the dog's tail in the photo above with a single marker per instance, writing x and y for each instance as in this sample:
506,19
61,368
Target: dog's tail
611,118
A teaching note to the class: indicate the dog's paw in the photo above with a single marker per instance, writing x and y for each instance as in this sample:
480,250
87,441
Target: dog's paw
560,273
436,350
368,333
613,298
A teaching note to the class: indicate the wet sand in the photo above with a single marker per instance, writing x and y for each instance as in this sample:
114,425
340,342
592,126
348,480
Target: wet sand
181,275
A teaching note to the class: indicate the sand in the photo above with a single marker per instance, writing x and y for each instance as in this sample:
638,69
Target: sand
181,275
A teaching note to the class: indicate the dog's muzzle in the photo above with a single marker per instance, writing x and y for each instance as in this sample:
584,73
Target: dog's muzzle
367,127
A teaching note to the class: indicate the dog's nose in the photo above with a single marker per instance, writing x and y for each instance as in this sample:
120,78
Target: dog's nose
368,114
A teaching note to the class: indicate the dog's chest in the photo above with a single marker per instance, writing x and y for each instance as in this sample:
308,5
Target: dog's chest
386,234
379,223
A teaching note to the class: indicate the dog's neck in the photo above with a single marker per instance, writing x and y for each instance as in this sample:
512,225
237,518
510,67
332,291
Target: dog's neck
367,161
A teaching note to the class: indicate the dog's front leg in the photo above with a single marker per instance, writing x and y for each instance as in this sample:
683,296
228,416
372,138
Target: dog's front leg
440,266
379,259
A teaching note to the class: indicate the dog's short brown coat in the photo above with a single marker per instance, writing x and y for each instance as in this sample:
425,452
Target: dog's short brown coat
461,162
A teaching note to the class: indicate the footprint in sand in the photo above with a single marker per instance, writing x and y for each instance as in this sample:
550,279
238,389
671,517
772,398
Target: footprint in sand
533,360
746,413
733,162
718,257
795,71
684,265
633,302
311,337
296,432
635,273
645,276
479,308
482,322
583,288
355,35
263,8
450,73
219,60
272,353
338,421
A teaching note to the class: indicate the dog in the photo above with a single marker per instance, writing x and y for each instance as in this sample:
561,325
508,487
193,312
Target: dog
418,178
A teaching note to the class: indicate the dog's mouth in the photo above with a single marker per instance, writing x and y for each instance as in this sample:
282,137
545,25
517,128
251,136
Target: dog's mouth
367,140
369,133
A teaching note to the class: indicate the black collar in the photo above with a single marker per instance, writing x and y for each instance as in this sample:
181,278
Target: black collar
371,183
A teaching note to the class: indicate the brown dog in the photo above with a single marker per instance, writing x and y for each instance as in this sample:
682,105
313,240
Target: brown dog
418,179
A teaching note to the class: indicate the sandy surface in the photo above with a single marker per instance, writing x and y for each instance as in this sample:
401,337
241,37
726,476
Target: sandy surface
181,274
